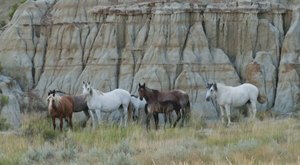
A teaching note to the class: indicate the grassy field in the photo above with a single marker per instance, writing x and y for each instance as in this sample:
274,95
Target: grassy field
261,142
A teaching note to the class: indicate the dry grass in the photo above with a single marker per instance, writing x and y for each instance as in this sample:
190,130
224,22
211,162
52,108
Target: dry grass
261,142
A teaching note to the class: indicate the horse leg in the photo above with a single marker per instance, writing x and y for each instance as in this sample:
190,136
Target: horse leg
148,116
227,108
250,113
122,116
170,119
61,123
87,117
93,117
70,122
222,114
125,116
183,116
53,123
253,107
98,114
155,115
165,117
178,117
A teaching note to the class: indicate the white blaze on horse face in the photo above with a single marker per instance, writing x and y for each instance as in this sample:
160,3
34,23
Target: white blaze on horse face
86,89
209,93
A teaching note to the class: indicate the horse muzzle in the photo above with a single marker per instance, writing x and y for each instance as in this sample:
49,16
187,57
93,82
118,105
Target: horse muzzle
207,98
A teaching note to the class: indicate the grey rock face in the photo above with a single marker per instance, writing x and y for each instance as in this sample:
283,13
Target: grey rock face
11,98
167,45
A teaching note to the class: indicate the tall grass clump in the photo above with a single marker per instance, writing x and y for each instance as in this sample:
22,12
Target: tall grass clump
3,124
123,154
61,152
39,126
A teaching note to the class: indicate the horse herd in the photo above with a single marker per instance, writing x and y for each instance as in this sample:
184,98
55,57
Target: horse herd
93,102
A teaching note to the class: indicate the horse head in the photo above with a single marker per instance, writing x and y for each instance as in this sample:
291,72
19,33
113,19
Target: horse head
87,88
212,89
51,92
142,91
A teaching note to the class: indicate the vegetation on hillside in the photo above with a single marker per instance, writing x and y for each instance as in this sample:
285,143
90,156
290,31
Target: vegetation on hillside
261,142
14,7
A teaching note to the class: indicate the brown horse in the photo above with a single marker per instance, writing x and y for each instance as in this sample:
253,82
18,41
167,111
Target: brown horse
60,107
80,103
177,98
166,108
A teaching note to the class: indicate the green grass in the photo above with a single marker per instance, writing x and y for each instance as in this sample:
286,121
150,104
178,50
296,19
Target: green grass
261,142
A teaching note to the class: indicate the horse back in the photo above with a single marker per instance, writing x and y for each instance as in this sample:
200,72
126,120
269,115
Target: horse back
67,104
80,103
122,94
175,96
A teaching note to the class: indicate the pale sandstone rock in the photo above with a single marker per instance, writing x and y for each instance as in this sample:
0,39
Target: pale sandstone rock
58,44
11,110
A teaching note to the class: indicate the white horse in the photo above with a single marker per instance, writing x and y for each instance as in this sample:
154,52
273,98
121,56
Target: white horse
227,96
138,104
107,102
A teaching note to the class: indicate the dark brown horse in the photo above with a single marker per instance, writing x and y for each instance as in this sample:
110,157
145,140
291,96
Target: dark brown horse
60,107
166,108
80,103
178,99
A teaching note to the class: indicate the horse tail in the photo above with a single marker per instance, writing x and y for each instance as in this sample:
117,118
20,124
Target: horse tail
188,111
129,111
261,99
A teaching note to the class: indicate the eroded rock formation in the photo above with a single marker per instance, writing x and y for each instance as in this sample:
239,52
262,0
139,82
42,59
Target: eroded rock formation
53,44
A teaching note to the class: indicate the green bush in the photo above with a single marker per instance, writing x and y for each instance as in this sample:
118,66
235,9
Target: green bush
13,9
2,24
3,124
50,134
4,100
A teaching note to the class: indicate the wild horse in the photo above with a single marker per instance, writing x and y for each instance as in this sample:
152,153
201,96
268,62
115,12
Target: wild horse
107,102
178,100
227,96
60,107
80,103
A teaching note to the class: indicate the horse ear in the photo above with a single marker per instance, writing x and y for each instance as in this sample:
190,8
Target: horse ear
144,85
139,85
208,85
215,86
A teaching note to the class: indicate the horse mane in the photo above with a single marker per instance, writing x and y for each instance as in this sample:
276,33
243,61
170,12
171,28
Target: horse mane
57,100
98,91
155,91
134,96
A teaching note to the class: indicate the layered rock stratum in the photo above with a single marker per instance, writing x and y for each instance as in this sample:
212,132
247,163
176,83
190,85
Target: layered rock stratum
55,44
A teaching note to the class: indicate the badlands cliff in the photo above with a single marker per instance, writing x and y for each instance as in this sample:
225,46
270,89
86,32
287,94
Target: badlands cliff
55,44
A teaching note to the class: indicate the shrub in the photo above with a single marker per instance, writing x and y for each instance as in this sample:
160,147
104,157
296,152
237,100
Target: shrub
69,151
2,24
50,134
35,125
124,147
3,124
4,100
122,158
122,154
14,7
12,10
32,156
